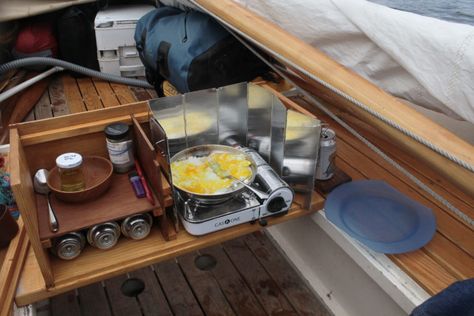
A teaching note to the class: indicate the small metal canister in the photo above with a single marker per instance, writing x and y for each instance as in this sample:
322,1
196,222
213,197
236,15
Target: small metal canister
69,246
137,226
104,236
327,155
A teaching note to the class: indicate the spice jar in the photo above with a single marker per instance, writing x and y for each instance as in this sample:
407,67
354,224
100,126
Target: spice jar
119,146
70,172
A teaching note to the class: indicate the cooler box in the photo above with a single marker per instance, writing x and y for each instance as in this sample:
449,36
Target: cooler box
114,31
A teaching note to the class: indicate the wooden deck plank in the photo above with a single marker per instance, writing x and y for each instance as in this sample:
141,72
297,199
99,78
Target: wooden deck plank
65,304
152,299
238,294
73,95
93,300
205,287
141,94
30,116
180,296
106,93
262,285
123,93
152,93
450,257
291,285
43,107
424,270
57,96
89,94
121,305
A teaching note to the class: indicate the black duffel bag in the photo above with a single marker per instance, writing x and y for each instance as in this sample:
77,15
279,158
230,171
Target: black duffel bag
192,51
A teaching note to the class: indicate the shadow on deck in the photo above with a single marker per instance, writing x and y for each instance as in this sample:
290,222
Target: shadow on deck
244,276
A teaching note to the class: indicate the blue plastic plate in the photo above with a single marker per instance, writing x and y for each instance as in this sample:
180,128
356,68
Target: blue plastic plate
380,217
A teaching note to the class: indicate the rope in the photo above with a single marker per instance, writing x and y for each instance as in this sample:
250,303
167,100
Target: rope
468,220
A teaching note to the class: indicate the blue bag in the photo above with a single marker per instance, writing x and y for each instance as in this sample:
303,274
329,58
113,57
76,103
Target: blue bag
192,51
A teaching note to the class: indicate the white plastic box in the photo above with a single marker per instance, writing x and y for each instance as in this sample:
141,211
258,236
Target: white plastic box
114,31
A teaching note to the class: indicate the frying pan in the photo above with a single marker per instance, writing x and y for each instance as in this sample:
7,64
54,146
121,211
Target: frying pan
204,151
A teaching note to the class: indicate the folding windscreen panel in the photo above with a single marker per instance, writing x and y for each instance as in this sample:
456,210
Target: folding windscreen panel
243,114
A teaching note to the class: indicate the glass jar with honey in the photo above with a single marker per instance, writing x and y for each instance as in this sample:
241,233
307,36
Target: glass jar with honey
70,172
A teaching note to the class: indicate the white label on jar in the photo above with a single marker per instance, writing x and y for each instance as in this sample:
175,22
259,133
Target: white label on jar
120,153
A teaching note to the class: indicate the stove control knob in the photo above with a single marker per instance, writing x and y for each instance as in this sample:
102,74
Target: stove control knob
276,204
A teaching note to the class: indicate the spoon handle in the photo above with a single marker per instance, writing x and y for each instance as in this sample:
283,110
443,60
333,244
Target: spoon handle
53,222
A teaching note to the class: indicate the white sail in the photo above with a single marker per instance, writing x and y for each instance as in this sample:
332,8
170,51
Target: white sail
427,61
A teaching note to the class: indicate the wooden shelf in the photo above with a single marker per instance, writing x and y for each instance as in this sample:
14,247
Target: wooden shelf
118,202
94,265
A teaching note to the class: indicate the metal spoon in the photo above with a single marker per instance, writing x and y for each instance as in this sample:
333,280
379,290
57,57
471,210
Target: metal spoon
225,174
41,187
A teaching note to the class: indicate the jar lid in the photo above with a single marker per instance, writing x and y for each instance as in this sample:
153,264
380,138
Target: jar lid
116,131
69,160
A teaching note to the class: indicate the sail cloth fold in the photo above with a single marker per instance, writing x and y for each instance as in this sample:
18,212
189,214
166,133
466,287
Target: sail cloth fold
426,61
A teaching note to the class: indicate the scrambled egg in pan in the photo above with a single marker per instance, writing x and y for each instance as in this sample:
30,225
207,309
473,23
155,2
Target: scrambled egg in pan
196,176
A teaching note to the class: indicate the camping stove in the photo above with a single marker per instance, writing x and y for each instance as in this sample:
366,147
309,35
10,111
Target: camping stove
275,199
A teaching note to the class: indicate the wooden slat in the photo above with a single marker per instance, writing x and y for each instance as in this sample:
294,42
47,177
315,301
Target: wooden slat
11,264
205,287
152,93
65,304
425,271
152,299
121,305
89,94
26,101
123,93
57,96
30,117
452,258
56,125
94,300
261,284
180,296
128,255
22,187
73,95
43,107
106,93
238,294
291,285
141,94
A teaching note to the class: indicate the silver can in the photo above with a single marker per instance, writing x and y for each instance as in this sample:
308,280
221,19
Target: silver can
69,246
326,164
137,226
104,236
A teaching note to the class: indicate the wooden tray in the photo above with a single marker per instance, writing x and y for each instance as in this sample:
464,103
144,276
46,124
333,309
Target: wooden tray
118,202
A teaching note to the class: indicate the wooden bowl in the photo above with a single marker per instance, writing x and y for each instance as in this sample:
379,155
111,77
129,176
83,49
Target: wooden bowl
97,176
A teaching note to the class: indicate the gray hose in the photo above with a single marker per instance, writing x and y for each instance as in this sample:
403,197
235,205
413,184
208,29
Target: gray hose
47,61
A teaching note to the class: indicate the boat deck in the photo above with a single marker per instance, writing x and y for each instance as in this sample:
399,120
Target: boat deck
447,258
248,277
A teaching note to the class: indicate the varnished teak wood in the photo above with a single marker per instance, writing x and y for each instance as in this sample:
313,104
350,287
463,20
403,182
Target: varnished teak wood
94,265
310,61
117,203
